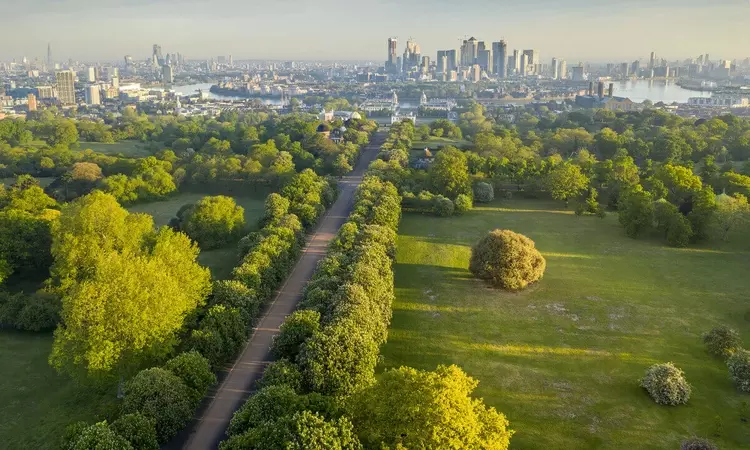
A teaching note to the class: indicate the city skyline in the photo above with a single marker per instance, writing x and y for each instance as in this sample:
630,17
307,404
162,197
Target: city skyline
603,31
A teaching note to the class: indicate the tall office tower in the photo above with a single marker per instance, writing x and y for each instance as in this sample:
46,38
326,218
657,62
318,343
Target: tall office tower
93,96
524,64
469,52
533,58
442,61
652,61
452,56
66,91
707,60
635,67
554,69
500,58
128,60
391,64
91,75
425,64
156,55
231,61
509,66
516,62
31,102
49,55
476,73
563,71
625,69
116,82
484,59
411,55
167,74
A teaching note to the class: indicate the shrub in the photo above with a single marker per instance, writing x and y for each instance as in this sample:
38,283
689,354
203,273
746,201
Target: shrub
666,384
72,433
194,370
100,437
267,404
722,341
443,207
679,232
282,372
161,396
506,259
483,192
215,222
138,430
739,369
463,204
275,208
295,330
41,312
697,444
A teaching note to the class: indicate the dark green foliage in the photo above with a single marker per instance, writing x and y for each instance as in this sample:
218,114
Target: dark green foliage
483,192
679,231
739,369
722,341
161,396
72,433
234,294
282,372
194,370
25,242
100,437
138,430
666,384
506,259
295,330
697,444
443,207
36,312
220,335
636,211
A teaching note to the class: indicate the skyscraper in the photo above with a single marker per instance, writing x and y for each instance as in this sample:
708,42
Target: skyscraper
554,69
484,59
532,58
66,91
91,74
49,55
156,55
469,52
652,61
167,74
524,64
563,71
93,96
391,64
516,62
411,55
442,61
500,57
31,102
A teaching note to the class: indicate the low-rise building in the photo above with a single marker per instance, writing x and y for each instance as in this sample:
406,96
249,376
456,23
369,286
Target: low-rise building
720,100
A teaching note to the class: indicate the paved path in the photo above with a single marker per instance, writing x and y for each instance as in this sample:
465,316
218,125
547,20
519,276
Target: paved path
248,368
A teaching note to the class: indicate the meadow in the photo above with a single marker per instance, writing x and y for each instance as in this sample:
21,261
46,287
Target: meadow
130,149
563,359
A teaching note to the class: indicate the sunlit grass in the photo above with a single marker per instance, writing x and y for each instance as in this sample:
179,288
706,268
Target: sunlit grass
562,359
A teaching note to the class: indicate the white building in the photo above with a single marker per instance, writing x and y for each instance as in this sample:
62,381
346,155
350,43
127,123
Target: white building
396,118
93,96
721,100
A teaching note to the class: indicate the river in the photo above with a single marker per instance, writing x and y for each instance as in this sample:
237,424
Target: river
190,89
656,91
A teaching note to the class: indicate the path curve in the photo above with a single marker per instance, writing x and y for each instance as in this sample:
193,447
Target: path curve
248,368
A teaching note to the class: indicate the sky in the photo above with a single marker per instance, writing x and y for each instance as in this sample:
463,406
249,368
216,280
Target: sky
575,30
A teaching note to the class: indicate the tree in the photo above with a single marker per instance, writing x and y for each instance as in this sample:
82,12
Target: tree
666,384
100,437
722,341
449,173
483,192
295,330
731,213
565,182
125,289
420,409
636,211
162,397
138,430
214,222
463,204
680,181
739,369
194,370
506,259
25,241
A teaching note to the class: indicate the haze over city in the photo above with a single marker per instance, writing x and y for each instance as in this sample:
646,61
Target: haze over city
333,29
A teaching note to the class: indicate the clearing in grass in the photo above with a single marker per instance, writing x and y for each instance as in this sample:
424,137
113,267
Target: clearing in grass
563,358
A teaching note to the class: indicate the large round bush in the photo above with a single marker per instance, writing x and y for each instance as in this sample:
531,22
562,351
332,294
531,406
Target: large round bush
722,341
697,444
100,437
215,222
506,259
138,430
194,370
483,192
739,369
295,330
162,396
666,384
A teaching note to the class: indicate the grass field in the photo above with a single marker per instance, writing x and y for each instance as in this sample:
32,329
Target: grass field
133,149
562,360
220,261
434,142
37,403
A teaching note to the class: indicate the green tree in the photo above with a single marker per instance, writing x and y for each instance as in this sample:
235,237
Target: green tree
731,214
125,289
636,211
214,222
566,181
680,181
194,370
295,330
100,437
449,173
506,259
138,430
420,409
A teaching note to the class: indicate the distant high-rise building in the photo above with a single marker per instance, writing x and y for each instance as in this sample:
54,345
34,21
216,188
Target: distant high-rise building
524,64
411,56
49,55
469,52
625,69
425,66
116,82
516,62
578,74
391,63
652,61
128,61
635,67
554,69
563,70
600,89
476,73
66,91
231,61
91,74
167,74
500,58
156,55
93,95
442,61
31,102
484,59
43,92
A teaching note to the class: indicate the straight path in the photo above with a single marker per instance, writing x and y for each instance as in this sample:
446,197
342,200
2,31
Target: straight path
248,368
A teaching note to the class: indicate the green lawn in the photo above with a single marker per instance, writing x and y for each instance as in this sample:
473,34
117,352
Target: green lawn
562,360
37,403
434,142
133,149
220,261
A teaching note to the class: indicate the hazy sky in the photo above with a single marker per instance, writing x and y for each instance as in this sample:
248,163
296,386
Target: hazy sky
335,29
